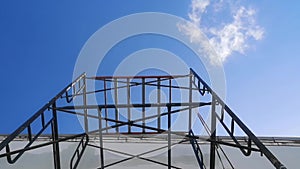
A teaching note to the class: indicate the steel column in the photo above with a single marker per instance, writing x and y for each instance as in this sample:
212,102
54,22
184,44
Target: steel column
169,138
158,101
213,134
143,102
116,102
56,153
190,101
105,103
86,125
169,127
101,139
128,103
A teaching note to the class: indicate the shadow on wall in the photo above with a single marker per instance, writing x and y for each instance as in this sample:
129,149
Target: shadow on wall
182,156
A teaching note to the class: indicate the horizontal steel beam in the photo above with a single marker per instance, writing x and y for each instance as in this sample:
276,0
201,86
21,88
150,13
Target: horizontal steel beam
194,104
122,136
136,77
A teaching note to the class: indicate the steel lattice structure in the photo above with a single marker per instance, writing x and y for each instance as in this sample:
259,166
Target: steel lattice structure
122,98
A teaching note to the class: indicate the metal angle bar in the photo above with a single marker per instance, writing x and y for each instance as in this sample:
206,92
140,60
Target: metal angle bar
149,83
84,97
29,133
157,162
136,77
108,165
116,103
73,86
268,141
174,87
100,138
147,118
37,114
121,87
133,124
134,121
125,123
56,152
72,96
105,103
116,121
234,145
169,128
196,148
139,155
41,145
204,124
78,154
220,159
43,120
133,84
234,139
11,161
169,138
160,148
150,117
213,134
128,102
225,155
158,102
198,104
190,100
143,103
142,158
218,146
76,113
122,123
276,163
201,91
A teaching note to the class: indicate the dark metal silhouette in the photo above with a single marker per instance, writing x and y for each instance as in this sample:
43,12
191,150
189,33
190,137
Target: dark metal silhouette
115,107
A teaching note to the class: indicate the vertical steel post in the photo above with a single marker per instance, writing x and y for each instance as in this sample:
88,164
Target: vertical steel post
213,134
158,102
56,155
86,125
116,103
128,103
169,126
169,138
105,103
190,101
143,102
101,138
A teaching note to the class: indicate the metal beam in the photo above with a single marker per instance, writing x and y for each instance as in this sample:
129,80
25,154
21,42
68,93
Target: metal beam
56,153
198,104
100,138
213,134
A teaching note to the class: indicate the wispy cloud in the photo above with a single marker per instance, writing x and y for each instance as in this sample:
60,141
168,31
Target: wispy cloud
198,7
225,37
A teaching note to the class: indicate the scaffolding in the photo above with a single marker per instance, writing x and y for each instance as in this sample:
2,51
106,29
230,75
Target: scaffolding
141,109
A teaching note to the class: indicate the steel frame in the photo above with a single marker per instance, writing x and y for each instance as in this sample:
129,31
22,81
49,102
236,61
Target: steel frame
111,121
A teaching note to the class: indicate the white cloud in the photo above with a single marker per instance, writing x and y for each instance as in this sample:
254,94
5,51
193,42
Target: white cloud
198,7
226,38
233,36
196,36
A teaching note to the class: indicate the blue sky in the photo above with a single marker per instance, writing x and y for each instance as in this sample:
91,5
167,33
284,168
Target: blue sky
40,42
